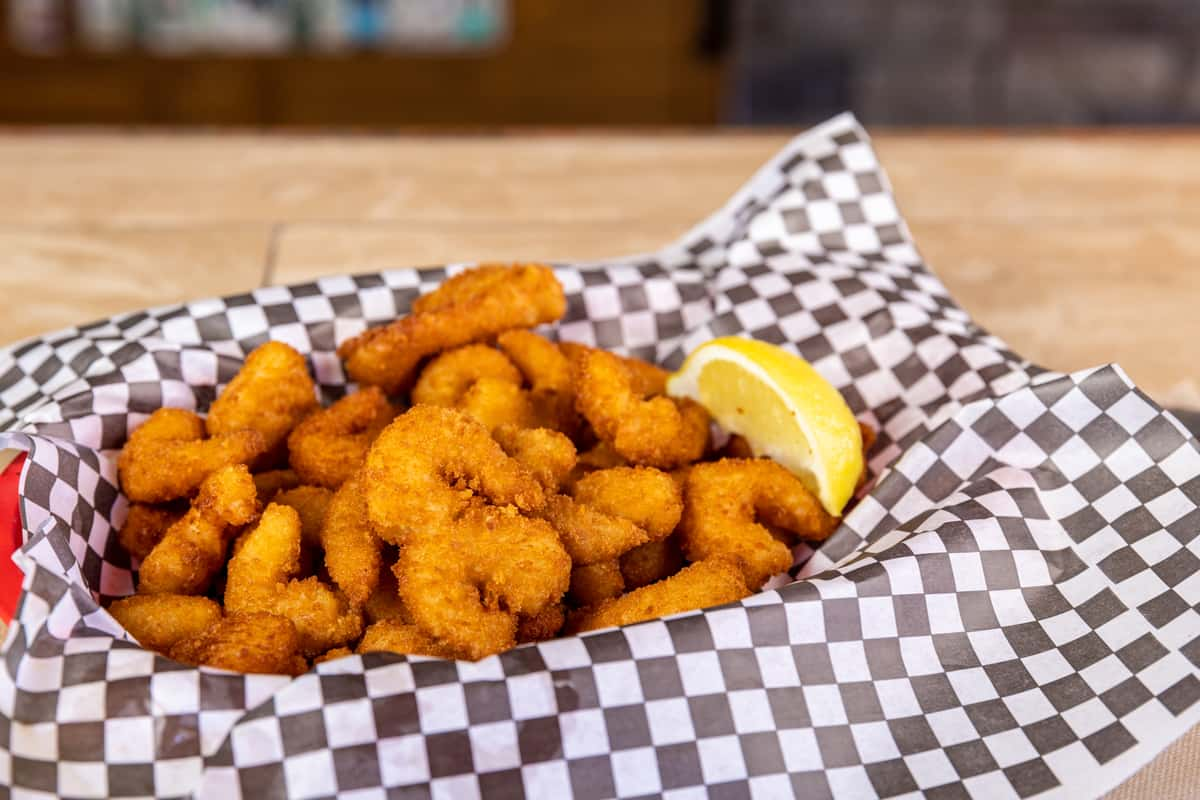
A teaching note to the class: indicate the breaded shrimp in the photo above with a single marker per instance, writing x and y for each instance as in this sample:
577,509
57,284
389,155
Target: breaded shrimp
403,639
547,454
312,504
706,583
645,496
495,403
430,464
541,626
723,501
647,379
329,445
261,578
595,583
255,642
273,481
384,602
352,551
144,527
651,562
548,373
470,307
332,655
599,456
270,394
659,432
447,377
466,583
167,456
589,535
158,621
193,549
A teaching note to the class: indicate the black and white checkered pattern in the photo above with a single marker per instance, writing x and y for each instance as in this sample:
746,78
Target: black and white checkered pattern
1012,609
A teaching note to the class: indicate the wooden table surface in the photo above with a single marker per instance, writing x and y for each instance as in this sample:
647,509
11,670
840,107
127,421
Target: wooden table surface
1076,248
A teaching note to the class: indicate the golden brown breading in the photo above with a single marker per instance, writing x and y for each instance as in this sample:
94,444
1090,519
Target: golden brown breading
144,527
270,394
447,377
589,535
645,496
352,550
167,456
495,403
547,454
312,504
388,636
158,621
659,432
193,549
707,583
333,655
723,502
329,445
465,583
470,307
255,642
432,463
384,602
261,578
541,626
273,481
651,562
595,583
548,372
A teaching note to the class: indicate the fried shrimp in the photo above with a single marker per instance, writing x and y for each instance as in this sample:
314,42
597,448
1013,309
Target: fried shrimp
647,379
167,457
404,639
384,602
659,432
547,454
595,583
645,496
470,307
447,378
548,372
467,583
333,655
144,527
495,403
158,621
261,578
541,626
312,504
326,447
256,642
430,464
193,549
273,481
651,562
723,502
591,536
706,583
352,551
270,394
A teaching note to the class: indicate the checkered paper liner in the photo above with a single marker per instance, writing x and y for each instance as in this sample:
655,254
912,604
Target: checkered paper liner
1010,611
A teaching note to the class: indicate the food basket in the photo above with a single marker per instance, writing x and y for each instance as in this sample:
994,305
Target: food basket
1009,610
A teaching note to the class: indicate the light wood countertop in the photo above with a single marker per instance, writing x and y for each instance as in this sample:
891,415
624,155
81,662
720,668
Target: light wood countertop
1076,248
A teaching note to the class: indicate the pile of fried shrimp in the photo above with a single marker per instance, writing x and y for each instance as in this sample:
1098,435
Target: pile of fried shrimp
484,487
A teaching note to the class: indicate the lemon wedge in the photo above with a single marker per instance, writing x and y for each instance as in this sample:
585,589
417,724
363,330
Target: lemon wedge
784,409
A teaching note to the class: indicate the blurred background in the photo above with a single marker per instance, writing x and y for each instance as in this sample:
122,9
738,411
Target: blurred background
483,63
